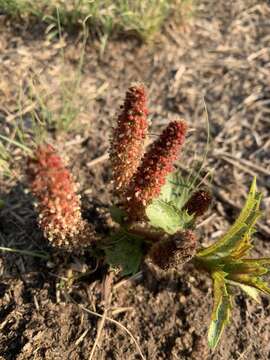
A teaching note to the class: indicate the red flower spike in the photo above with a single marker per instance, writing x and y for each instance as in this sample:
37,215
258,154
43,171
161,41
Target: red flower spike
175,251
128,140
156,164
58,204
198,203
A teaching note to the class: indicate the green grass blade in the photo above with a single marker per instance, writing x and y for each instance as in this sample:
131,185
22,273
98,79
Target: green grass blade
16,143
40,254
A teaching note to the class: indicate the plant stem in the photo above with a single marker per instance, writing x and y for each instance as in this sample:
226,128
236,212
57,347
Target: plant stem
41,255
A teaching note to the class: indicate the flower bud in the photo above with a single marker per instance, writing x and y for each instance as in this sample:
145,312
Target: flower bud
198,203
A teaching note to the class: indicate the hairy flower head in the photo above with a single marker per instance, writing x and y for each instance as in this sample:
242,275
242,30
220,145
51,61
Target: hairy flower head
198,203
58,204
174,251
128,138
156,164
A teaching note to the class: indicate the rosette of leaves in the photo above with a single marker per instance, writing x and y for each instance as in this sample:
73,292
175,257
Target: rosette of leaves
228,263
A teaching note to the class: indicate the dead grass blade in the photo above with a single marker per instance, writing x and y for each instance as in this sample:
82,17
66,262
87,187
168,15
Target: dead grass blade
107,293
121,326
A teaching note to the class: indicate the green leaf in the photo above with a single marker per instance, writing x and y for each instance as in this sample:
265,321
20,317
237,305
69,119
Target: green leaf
167,217
251,280
260,262
236,242
224,260
249,290
176,190
118,215
221,309
261,285
124,250
245,267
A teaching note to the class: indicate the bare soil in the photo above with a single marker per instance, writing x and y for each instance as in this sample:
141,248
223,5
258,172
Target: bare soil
222,59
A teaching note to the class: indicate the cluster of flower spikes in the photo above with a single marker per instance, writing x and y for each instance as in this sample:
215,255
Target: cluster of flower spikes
139,177
58,204
129,136
156,164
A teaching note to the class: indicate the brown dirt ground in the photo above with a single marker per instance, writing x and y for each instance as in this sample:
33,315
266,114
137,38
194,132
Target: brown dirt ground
223,56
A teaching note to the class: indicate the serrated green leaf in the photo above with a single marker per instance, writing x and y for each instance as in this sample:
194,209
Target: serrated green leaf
176,190
220,250
118,215
260,261
250,280
167,217
262,286
244,267
124,250
236,242
249,290
167,190
221,309
224,260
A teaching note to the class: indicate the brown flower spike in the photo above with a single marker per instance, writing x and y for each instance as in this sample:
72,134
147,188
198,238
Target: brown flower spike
156,164
174,251
128,140
58,204
198,203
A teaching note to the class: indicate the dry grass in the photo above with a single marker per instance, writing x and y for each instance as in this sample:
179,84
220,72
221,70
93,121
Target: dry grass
42,109
223,58
143,18
56,107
